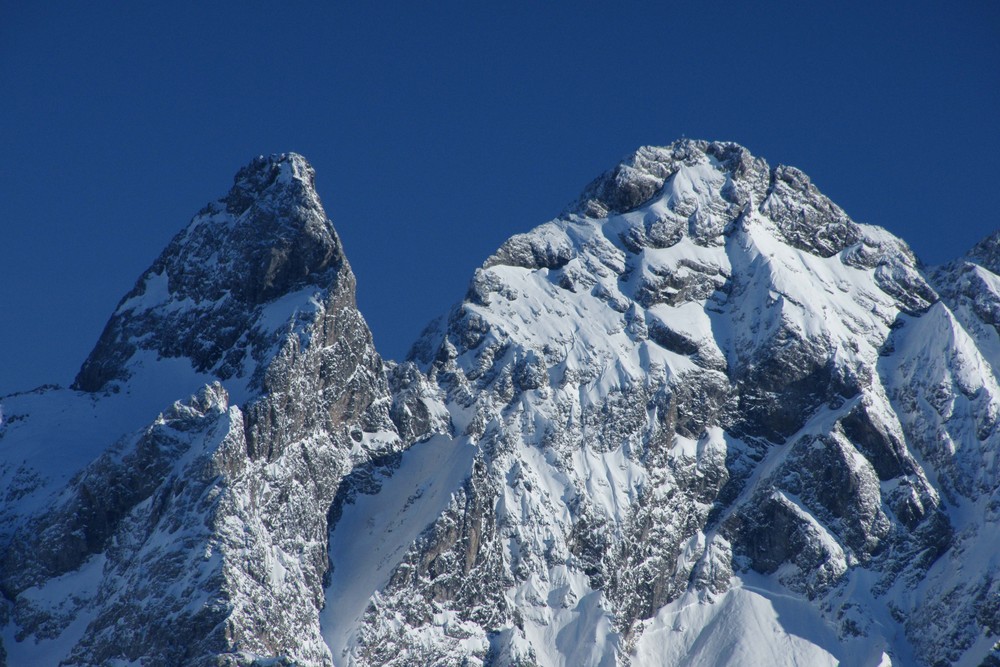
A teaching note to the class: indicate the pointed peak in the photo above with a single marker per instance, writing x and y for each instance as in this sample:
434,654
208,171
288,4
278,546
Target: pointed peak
267,239
270,229
274,172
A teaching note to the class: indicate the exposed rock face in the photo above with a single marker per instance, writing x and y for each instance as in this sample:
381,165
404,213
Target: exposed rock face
701,418
201,539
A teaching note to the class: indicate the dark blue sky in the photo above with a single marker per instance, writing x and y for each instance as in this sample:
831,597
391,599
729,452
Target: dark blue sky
438,130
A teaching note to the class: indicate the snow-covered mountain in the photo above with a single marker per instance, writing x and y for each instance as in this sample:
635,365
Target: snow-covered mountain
702,417
140,526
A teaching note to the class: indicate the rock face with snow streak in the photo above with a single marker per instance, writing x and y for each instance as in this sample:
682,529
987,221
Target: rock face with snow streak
701,417
201,538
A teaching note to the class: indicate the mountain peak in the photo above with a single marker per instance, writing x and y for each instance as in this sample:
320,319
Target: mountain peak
277,171
703,372
699,190
640,175
699,180
205,295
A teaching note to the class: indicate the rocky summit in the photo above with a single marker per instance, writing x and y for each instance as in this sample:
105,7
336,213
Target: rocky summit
701,418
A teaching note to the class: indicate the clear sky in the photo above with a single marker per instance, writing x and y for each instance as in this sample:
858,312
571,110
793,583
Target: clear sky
437,130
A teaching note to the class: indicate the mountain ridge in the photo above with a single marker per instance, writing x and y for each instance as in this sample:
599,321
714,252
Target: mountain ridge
703,397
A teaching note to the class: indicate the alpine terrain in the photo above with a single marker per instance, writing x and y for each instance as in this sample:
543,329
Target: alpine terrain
700,418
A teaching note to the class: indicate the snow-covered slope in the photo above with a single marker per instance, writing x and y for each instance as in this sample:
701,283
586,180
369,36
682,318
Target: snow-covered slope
701,418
